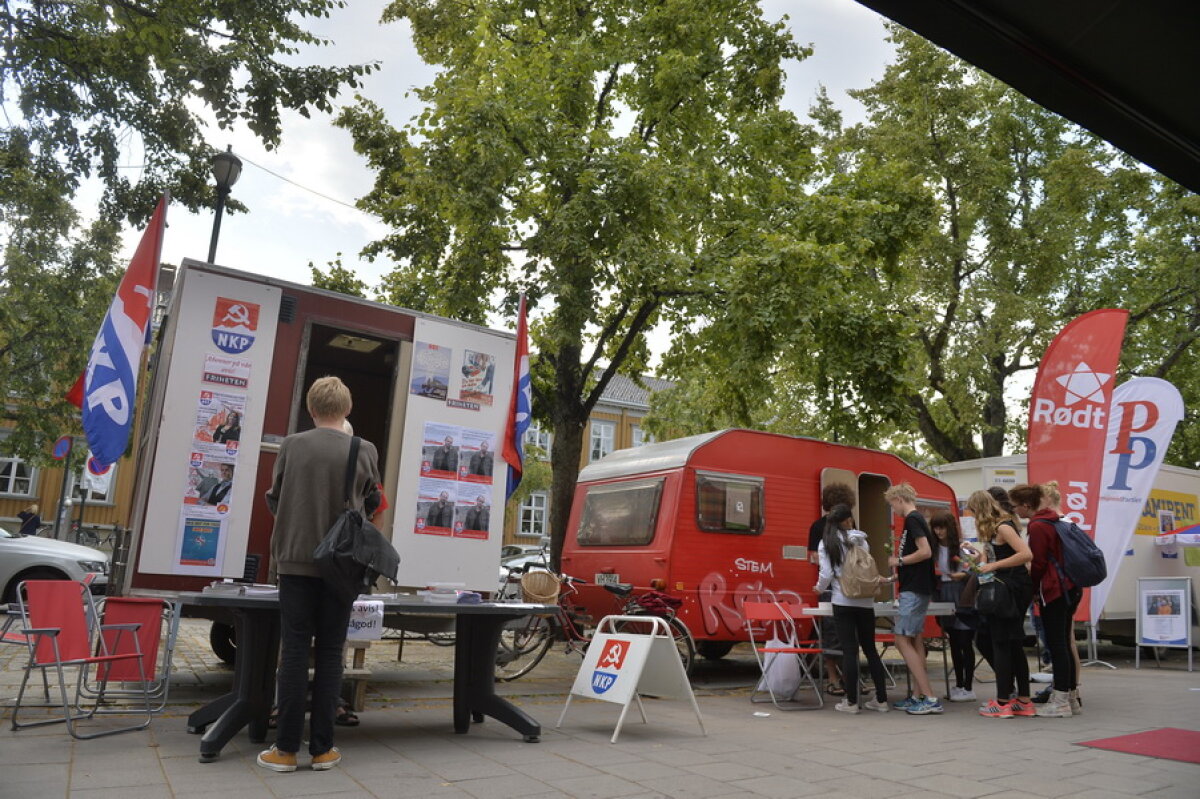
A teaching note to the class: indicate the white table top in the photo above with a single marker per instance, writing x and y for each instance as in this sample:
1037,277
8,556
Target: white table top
883,609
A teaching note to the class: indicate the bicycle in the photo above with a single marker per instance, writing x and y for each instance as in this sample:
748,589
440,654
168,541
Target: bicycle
523,643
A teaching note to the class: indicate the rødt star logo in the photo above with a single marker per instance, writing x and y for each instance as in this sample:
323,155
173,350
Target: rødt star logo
1083,384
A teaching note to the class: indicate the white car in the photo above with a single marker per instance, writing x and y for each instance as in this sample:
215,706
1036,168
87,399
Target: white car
34,558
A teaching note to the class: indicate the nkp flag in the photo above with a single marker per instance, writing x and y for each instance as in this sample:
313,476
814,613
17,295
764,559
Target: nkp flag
107,390
520,408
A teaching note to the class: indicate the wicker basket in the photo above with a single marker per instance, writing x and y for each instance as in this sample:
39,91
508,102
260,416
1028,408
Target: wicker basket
540,587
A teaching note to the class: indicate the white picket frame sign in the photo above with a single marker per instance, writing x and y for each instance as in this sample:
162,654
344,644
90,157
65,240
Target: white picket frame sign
627,677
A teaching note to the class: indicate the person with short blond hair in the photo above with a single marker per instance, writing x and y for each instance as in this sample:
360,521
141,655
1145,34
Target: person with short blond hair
307,496
328,398
914,574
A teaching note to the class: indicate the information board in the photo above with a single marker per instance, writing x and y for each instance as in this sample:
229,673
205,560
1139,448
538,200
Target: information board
1164,615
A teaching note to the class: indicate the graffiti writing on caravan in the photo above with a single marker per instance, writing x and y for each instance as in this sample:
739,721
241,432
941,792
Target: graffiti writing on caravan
754,567
720,608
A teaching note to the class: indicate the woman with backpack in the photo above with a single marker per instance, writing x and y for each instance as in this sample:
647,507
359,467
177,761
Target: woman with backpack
1056,595
854,616
1007,554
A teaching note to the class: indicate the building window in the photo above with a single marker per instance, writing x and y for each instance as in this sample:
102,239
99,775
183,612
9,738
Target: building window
17,478
641,437
535,436
729,504
95,496
603,434
533,515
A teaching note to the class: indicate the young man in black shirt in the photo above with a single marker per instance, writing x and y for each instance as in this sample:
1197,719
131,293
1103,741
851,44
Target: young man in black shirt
914,570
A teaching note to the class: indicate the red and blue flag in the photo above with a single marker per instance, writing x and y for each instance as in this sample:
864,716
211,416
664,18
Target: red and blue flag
107,390
520,408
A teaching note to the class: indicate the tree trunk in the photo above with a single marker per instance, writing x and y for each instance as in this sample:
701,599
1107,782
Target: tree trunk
565,453
995,414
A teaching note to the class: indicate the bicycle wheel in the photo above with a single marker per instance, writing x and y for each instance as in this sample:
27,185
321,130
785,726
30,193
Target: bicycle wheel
523,644
441,639
679,631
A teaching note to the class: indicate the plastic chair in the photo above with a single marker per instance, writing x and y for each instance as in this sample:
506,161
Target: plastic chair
782,618
55,614
149,615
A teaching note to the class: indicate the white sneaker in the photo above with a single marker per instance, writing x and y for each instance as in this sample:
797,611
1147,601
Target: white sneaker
846,706
873,704
1073,701
961,695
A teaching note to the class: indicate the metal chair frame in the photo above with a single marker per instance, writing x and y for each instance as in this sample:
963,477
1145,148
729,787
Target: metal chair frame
784,618
55,646
159,677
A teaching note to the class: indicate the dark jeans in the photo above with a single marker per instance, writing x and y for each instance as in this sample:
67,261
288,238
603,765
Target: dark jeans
1057,618
856,630
307,611
963,656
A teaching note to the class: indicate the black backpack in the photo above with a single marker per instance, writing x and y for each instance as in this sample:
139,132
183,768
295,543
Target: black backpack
1083,562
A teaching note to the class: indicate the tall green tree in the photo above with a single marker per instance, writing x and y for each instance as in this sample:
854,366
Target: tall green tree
1004,221
118,91
610,158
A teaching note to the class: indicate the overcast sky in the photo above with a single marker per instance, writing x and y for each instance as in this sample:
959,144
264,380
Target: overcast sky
288,227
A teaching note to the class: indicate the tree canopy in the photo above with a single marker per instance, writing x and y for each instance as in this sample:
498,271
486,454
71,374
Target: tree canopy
990,222
118,92
615,160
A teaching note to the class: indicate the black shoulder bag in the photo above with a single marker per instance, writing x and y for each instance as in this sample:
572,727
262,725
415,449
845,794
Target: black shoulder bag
338,557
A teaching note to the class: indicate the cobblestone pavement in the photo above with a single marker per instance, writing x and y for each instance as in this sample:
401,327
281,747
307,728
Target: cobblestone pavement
405,747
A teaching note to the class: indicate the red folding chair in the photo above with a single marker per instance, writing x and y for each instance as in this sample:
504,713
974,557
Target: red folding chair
781,619
55,615
149,615
14,637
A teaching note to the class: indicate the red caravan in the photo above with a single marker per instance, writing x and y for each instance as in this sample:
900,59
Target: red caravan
721,519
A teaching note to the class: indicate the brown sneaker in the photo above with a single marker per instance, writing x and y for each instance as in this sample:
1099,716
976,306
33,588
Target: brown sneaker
326,760
277,761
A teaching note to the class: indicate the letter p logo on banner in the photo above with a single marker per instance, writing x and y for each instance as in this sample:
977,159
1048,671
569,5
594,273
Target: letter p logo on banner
1137,416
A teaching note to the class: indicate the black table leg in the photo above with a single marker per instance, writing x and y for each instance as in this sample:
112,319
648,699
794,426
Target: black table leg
475,677
201,718
257,635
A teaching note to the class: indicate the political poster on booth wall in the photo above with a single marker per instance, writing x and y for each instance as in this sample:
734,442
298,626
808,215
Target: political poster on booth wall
439,450
477,454
479,377
435,506
430,371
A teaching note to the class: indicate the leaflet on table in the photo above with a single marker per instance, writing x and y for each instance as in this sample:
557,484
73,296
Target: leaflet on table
219,422
472,511
430,371
435,506
479,377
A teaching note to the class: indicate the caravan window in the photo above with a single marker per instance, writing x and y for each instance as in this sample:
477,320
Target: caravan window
620,514
729,504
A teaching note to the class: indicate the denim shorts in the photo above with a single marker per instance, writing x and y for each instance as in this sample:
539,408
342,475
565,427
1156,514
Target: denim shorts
911,619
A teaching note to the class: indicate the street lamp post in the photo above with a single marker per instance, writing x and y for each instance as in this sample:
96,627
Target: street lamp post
226,169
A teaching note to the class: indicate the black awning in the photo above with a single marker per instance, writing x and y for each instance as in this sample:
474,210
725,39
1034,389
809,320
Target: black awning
1127,71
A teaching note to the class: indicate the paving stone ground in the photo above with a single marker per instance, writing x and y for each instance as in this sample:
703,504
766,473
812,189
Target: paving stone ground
405,746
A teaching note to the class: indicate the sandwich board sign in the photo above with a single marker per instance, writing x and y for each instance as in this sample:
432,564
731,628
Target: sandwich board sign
621,666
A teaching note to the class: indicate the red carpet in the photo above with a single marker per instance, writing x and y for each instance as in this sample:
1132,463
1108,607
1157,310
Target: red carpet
1169,743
